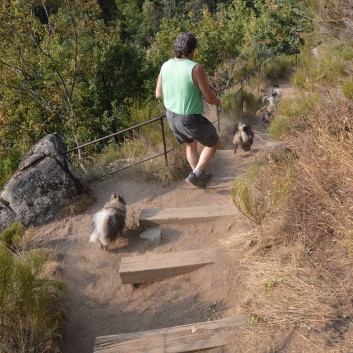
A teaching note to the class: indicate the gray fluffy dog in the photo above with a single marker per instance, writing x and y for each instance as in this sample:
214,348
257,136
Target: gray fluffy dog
243,136
108,223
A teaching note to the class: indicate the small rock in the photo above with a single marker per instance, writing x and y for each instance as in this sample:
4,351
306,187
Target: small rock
194,329
90,304
152,234
250,243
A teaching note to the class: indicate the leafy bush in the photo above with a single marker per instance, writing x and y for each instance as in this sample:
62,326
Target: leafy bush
231,101
120,63
10,158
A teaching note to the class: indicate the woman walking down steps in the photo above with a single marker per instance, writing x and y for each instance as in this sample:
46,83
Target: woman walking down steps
182,85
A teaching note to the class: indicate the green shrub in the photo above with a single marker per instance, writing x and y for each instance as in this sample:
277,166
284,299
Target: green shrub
279,127
343,51
29,314
12,236
233,100
332,68
299,107
281,67
10,159
302,79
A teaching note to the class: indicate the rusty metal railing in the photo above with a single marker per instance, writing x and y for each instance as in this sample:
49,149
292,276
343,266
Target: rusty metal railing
165,151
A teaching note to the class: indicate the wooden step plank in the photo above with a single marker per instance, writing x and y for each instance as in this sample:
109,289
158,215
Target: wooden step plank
152,216
172,339
226,180
157,267
227,322
185,344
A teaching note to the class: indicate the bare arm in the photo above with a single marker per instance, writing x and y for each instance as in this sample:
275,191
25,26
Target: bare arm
159,92
199,77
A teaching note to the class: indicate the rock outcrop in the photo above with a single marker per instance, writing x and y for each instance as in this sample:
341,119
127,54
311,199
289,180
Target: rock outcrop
43,184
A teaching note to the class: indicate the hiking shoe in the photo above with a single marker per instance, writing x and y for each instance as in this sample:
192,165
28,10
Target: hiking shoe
200,181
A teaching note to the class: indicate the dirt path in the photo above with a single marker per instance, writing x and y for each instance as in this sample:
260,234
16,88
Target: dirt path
99,304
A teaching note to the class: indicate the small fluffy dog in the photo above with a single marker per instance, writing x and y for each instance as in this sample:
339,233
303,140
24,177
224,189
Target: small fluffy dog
276,92
243,136
108,224
265,115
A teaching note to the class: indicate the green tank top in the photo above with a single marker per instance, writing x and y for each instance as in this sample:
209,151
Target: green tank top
180,94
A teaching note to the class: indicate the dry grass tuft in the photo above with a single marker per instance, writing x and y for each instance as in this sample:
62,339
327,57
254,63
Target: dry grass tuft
79,204
322,194
263,189
285,292
157,170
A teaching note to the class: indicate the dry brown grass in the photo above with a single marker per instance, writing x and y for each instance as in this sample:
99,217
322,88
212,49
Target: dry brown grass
322,193
335,17
300,276
78,204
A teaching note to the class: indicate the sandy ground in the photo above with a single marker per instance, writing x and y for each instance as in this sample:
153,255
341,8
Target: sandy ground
99,304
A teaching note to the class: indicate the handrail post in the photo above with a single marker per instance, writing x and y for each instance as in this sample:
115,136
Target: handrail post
258,80
241,97
218,122
164,143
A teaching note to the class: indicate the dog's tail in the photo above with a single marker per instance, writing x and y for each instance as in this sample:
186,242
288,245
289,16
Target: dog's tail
94,236
97,223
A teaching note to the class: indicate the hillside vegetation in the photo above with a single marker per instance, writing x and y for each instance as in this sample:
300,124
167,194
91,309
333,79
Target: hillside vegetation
300,270
82,68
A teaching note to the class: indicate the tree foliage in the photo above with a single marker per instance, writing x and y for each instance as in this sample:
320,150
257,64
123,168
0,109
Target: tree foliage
74,66
251,29
278,26
47,69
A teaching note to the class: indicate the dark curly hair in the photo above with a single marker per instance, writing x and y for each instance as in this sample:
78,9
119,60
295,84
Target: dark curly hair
184,44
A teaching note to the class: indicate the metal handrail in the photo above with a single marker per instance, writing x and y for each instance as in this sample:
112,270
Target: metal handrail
115,134
129,166
165,152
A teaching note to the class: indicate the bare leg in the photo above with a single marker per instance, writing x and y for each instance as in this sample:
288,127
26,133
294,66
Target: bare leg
206,156
192,154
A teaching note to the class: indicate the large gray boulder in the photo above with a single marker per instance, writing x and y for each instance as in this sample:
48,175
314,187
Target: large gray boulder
43,184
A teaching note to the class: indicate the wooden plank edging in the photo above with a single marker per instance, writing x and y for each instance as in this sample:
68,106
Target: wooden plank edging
157,267
153,216
177,339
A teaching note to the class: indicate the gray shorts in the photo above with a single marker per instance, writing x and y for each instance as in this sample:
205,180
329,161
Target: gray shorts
190,128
